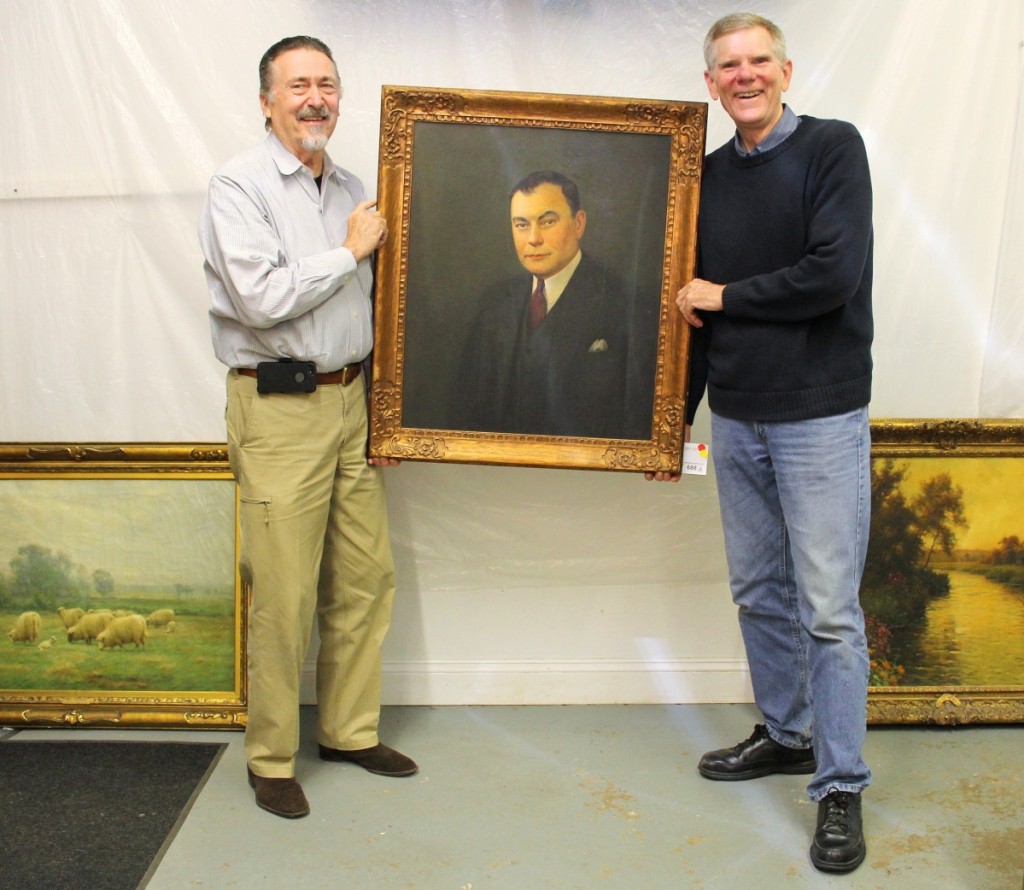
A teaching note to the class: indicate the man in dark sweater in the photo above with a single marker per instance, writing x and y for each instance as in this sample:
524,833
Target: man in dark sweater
781,313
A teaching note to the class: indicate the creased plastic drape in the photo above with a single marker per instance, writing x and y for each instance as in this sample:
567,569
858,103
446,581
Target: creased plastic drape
117,112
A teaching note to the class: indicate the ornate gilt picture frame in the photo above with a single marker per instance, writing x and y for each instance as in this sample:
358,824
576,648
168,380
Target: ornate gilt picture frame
120,597
943,589
457,376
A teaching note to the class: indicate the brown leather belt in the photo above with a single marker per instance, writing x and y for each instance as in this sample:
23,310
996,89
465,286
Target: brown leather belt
345,376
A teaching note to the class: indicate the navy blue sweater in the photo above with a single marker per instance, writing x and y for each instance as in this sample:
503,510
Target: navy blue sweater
789,234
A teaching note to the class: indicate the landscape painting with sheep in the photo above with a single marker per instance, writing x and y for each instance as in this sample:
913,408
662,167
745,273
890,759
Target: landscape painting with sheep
118,585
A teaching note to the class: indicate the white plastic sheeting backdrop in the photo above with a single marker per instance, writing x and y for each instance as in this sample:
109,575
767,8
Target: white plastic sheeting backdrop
516,585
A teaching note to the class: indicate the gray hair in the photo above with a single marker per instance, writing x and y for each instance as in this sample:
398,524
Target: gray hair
741,21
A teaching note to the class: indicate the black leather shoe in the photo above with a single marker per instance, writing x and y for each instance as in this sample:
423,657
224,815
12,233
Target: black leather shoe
379,760
282,797
839,837
760,755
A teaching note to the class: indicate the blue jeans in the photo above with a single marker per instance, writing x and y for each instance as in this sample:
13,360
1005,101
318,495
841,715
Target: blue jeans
796,503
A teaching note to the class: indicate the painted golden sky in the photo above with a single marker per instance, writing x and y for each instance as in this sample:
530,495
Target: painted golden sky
993,494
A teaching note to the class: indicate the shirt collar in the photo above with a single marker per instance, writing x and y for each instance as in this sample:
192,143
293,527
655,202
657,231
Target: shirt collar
288,164
558,282
779,134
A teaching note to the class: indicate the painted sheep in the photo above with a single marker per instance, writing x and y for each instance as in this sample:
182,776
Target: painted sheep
46,644
70,617
90,626
160,617
126,629
26,628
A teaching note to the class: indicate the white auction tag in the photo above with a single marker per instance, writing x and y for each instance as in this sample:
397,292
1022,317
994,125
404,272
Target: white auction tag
695,459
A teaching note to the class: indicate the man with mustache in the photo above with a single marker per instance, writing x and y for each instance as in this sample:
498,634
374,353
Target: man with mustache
288,238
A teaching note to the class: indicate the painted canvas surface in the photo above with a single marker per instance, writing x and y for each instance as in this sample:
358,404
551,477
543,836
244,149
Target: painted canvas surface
85,554
943,589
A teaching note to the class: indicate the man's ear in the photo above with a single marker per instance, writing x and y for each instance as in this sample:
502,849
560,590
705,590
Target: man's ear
710,81
581,223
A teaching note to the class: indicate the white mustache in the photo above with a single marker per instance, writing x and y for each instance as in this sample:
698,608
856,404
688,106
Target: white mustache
314,114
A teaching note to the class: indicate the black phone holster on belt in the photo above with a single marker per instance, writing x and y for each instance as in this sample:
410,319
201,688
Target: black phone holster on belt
285,376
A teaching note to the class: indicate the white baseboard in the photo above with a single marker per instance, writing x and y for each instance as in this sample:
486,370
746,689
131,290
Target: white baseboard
562,683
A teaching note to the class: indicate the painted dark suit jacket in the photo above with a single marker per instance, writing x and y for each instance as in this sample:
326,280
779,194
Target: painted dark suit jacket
587,371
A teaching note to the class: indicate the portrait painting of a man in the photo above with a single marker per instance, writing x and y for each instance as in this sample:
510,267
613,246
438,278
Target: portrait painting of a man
555,350
541,316
524,311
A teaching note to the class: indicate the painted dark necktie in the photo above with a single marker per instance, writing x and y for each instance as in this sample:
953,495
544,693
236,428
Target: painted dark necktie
538,305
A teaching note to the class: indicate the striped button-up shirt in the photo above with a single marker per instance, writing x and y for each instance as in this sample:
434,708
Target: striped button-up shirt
281,284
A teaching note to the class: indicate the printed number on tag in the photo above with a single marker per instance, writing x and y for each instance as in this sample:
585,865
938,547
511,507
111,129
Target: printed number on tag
695,459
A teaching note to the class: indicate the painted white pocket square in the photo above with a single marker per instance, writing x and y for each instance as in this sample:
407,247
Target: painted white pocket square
598,346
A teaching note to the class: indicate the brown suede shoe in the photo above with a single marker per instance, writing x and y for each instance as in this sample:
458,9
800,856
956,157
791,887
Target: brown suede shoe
282,797
379,760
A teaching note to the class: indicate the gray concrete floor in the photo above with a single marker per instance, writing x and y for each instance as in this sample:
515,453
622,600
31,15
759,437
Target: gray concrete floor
560,798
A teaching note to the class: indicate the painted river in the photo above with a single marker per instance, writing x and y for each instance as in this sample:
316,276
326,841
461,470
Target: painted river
972,637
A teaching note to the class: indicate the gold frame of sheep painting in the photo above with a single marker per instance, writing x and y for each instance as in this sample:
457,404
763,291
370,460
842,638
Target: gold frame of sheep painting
121,600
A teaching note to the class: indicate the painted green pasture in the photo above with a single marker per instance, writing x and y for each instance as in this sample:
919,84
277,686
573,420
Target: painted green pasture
199,656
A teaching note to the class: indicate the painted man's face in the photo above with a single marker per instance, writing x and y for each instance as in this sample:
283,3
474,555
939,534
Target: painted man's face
545,230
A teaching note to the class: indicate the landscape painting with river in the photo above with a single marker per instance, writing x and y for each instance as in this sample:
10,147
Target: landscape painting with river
943,589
